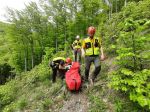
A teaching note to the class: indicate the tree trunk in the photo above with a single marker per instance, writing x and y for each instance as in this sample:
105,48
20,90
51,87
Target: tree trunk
32,54
25,54
125,3
25,60
56,41
65,29
107,2
141,64
42,49
40,41
116,7
65,41
110,11
110,7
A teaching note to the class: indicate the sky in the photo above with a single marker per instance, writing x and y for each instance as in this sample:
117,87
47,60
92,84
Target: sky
15,4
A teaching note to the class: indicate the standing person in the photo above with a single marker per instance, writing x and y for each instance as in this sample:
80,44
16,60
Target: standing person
91,49
77,48
58,65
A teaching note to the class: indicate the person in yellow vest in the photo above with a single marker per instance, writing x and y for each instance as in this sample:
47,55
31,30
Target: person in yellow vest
77,48
58,65
91,50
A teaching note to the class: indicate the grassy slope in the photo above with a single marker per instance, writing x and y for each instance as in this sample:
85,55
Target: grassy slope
30,91
105,99
33,91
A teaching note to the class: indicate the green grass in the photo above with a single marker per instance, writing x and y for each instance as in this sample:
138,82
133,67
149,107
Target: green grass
30,91
33,91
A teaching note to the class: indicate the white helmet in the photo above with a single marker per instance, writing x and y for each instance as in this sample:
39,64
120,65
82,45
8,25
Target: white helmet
77,37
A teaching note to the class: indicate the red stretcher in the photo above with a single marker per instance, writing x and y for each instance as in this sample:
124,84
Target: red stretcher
73,78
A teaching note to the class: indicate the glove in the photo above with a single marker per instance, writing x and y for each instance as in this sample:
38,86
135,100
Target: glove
68,67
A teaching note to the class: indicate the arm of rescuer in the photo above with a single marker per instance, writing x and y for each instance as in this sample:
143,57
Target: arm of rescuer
62,65
82,49
102,58
72,45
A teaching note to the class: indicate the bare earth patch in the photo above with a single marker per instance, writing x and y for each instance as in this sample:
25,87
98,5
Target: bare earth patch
78,102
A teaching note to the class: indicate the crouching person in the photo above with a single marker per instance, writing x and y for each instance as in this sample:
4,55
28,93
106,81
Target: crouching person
59,65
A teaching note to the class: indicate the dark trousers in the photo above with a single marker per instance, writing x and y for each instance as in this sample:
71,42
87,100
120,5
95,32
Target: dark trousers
61,74
77,52
88,61
55,70
54,74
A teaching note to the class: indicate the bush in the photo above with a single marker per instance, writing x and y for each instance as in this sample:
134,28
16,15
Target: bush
132,48
135,84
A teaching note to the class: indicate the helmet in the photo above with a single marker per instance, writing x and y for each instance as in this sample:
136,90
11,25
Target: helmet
68,60
91,30
77,37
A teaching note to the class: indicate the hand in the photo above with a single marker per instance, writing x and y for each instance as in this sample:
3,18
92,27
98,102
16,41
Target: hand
102,58
68,67
83,54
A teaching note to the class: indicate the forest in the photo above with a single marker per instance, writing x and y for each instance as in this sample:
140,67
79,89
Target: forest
38,33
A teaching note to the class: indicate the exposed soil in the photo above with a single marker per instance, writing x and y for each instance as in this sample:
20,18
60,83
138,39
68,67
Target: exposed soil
78,102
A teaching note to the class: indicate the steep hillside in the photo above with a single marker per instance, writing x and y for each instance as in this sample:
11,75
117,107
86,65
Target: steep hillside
33,91
40,33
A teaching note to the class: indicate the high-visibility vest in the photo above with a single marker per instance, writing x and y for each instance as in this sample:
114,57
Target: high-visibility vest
56,62
92,46
59,58
76,44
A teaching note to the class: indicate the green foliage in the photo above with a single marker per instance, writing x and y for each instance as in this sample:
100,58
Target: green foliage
33,31
5,69
132,48
118,106
28,36
136,84
96,104
10,91
36,35
22,104
16,106
8,95
24,92
3,43
46,104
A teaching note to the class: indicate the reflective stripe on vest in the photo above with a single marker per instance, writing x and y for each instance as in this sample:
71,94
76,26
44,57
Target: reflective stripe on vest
92,48
77,44
59,58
